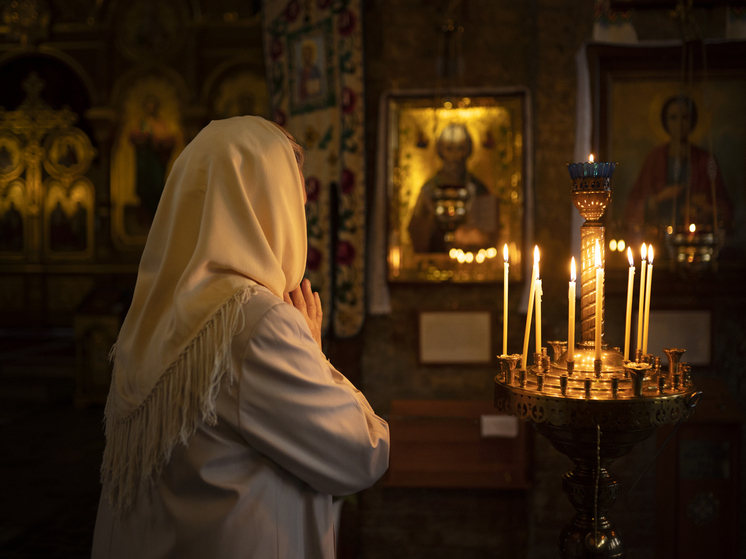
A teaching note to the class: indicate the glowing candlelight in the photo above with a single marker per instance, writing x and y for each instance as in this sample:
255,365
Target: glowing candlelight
630,292
599,299
538,293
505,299
571,314
641,307
647,301
534,275
590,158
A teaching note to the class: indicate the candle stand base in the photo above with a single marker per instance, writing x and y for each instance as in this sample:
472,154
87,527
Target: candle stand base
577,539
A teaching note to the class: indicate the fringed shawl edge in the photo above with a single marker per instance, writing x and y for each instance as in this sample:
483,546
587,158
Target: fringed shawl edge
139,445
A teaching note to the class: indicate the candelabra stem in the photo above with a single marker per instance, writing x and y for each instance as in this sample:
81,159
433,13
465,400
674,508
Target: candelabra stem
590,232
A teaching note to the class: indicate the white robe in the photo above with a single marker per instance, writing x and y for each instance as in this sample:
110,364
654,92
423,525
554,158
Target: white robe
291,432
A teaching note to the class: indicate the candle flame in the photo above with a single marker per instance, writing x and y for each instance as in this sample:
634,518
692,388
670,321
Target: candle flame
505,252
598,254
692,228
644,252
536,254
572,269
650,256
629,256
590,158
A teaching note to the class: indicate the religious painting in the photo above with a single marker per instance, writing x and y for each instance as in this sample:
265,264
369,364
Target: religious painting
679,140
69,198
311,68
68,219
457,171
148,142
12,198
241,93
147,29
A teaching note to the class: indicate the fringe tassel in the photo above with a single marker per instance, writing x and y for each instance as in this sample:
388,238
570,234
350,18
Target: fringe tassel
139,445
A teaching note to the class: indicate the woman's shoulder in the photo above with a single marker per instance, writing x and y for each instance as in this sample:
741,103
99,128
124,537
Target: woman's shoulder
262,304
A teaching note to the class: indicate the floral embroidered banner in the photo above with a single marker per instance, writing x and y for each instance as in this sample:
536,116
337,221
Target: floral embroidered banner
314,60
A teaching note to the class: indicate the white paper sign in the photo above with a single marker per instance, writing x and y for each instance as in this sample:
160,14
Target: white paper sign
505,426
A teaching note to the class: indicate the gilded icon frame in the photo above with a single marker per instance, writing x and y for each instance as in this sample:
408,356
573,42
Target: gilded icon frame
494,125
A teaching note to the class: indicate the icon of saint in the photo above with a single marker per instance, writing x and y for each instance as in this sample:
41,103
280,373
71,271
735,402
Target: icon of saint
454,208
679,183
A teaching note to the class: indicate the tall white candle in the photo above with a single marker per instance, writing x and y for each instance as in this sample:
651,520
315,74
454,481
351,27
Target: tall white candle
571,313
534,274
641,307
630,292
599,299
647,301
505,300
538,293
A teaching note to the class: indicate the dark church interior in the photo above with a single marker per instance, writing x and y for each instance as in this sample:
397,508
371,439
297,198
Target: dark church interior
391,100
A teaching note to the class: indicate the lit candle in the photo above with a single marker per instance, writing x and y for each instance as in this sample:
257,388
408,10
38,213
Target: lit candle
599,299
647,301
534,275
571,314
630,292
641,307
537,292
505,300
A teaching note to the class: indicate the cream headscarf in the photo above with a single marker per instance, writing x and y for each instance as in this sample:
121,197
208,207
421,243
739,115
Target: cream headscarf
231,216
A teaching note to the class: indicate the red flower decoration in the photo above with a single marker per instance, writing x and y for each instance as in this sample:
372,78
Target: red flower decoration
276,50
346,23
348,100
348,181
345,253
313,187
292,10
313,260
279,117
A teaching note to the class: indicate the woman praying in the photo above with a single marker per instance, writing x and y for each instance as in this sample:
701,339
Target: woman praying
227,430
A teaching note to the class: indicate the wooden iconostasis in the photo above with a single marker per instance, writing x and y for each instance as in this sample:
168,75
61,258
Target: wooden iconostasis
95,108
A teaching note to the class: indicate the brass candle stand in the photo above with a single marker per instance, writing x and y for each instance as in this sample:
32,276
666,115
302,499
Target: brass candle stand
593,410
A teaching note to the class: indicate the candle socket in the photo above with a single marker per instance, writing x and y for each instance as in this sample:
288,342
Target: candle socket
638,356
587,386
676,381
508,363
674,356
661,384
637,372
615,386
522,377
558,348
570,368
537,360
597,367
657,364
545,363
563,384
686,373
540,382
